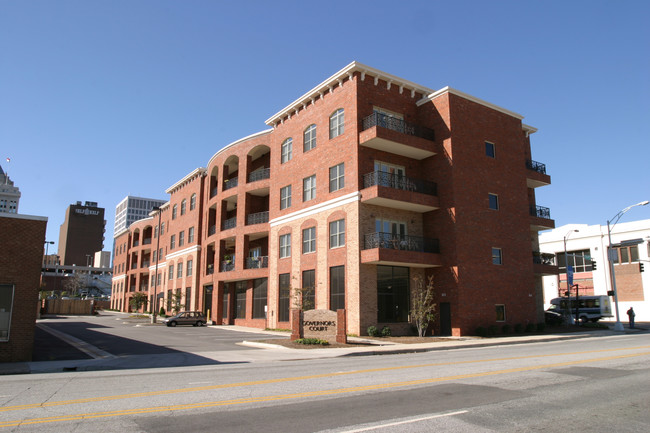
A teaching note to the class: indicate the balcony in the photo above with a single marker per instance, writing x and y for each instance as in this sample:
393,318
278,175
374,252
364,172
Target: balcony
400,250
147,241
257,262
541,218
212,230
145,264
209,270
264,173
399,192
536,175
544,264
227,266
230,183
397,136
257,218
230,223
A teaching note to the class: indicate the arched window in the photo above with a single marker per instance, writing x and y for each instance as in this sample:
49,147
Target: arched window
337,120
287,150
309,138
193,202
183,206
174,210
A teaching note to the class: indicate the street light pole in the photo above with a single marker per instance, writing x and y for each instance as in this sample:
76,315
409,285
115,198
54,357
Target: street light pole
155,276
566,271
618,326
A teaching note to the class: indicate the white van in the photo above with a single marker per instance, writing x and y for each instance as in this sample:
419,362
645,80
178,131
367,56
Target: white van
590,308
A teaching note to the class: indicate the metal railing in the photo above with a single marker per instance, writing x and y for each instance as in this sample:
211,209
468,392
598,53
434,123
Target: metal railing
146,241
212,230
258,262
399,125
145,264
257,218
230,223
536,166
214,191
264,173
401,242
227,266
390,180
543,258
230,183
136,243
540,212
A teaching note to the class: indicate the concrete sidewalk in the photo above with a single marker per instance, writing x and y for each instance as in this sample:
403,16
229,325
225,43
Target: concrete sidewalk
271,352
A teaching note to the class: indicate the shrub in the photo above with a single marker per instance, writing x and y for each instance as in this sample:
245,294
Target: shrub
481,331
518,328
493,330
530,327
373,331
162,311
317,341
541,326
385,331
506,329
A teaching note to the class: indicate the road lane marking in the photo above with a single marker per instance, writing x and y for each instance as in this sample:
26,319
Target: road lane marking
410,421
292,379
87,348
321,393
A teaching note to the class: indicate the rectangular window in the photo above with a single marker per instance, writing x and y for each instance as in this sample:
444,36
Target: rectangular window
225,304
190,265
309,289
188,298
489,149
240,294
284,303
6,307
190,235
337,288
392,294
287,150
494,201
179,270
162,228
501,313
580,260
285,197
337,177
496,256
309,240
285,245
172,242
309,188
337,233
309,138
170,270
181,239
337,123
259,298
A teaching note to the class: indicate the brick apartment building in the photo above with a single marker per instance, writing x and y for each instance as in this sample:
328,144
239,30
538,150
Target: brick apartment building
362,184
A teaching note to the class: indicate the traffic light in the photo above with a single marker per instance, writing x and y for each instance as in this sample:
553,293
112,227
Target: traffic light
593,265
640,267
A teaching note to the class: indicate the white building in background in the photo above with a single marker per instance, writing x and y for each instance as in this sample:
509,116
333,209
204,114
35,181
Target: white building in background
587,248
102,259
9,194
132,209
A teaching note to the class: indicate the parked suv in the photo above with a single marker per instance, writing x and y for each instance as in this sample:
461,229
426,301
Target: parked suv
194,318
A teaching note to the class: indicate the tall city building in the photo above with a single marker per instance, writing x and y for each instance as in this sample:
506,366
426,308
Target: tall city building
360,190
81,234
9,194
132,209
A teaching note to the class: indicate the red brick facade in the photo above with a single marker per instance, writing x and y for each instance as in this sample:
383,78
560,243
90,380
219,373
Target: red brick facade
414,200
22,238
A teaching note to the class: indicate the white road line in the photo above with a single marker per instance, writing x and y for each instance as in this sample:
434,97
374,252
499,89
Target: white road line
405,422
81,345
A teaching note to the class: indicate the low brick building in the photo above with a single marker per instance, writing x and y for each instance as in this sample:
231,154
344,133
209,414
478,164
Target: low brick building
361,185
21,253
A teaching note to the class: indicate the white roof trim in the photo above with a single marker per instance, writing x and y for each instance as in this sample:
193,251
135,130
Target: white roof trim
21,216
330,204
192,249
223,149
337,79
197,172
469,97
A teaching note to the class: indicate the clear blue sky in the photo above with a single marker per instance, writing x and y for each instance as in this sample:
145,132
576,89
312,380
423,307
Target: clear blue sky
102,99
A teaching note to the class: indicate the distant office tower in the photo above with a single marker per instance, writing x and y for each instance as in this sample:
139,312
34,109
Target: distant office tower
82,233
132,209
102,259
9,194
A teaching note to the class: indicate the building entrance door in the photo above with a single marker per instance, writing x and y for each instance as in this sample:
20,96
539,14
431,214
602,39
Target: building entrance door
207,302
445,318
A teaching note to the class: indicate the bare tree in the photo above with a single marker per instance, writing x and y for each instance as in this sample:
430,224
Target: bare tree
75,283
423,310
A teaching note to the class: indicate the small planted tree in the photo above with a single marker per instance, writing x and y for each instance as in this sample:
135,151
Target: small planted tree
177,302
423,310
138,300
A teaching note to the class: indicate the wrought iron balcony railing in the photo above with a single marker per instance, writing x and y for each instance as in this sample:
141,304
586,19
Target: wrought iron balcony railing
399,125
543,258
146,241
264,173
227,266
212,230
230,183
257,262
230,223
540,212
257,218
390,180
536,166
401,242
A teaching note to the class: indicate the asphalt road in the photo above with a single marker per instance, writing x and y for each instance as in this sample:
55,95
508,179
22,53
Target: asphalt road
593,384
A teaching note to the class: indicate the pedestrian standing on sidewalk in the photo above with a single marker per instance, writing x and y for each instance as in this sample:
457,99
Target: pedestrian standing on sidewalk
631,314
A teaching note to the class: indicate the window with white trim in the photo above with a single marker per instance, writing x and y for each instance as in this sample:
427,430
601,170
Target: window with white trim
285,197
309,188
337,233
337,177
309,240
285,245
309,138
337,122
287,150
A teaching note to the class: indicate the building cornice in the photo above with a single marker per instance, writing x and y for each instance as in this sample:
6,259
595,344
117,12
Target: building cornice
328,205
188,250
199,172
226,147
445,90
336,80
22,216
